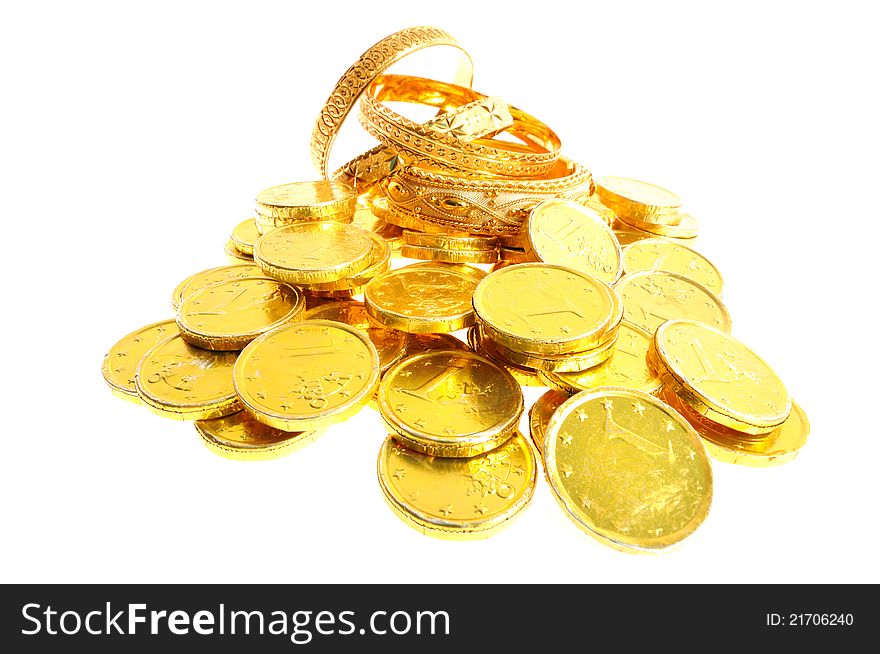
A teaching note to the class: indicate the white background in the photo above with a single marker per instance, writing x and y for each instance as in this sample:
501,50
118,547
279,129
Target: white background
134,139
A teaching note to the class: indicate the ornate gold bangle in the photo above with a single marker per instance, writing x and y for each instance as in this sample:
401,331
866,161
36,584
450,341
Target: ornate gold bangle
418,142
435,201
370,65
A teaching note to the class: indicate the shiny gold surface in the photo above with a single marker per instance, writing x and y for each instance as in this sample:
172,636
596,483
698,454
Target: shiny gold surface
543,309
523,375
627,468
391,344
569,362
229,315
307,375
458,498
567,233
380,261
180,381
450,403
650,298
240,437
448,256
449,241
244,236
323,199
661,254
626,367
421,343
121,361
686,227
541,412
312,253
781,445
636,200
720,377
234,255
204,278
424,297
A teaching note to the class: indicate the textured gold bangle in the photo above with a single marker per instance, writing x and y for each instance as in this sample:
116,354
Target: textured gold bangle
419,142
435,201
371,64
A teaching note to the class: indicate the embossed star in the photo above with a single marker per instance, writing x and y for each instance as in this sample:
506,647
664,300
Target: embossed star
565,438
669,425
581,415
607,404
566,470
480,508
639,408
446,510
586,503
400,473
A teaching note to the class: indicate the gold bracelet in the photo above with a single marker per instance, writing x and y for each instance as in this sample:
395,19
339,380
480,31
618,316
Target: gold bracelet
418,142
370,65
435,201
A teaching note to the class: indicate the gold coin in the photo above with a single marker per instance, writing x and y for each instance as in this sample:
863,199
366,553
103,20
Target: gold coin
450,403
513,255
524,376
541,412
421,343
720,377
458,498
539,308
638,200
686,227
390,343
774,448
424,297
660,254
380,261
448,256
120,363
234,255
650,298
627,468
570,362
312,253
592,201
626,367
307,201
205,278
449,241
180,381
240,437
307,375
229,315
244,236
570,234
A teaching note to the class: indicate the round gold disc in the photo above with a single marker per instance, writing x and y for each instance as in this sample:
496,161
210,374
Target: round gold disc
450,403
774,448
307,375
448,256
451,498
180,381
627,468
311,253
541,412
240,437
571,362
686,227
636,199
229,315
650,298
307,200
570,234
380,260
523,375
661,254
390,343
200,280
244,235
540,308
424,297
449,241
626,367
234,255
121,361
721,377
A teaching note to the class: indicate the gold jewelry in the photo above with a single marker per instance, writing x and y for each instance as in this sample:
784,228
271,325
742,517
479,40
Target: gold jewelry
370,65
418,142
435,201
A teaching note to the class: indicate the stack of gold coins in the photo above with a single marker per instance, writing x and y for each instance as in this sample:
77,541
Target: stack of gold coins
594,291
546,318
728,393
644,210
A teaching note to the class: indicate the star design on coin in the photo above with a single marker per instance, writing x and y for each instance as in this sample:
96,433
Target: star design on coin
519,470
406,373
449,430
400,408
639,408
565,438
400,473
586,503
446,510
581,415
420,423
607,404
566,470
480,508
669,425
565,329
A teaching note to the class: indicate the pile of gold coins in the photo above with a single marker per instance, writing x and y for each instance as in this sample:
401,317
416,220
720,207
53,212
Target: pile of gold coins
529,273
